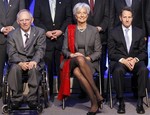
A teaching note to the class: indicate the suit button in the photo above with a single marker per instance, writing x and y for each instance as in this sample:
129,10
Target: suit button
53,24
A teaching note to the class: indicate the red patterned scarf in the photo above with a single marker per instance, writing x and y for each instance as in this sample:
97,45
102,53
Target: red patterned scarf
65,71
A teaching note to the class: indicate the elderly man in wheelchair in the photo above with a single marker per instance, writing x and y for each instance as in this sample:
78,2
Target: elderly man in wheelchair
26,48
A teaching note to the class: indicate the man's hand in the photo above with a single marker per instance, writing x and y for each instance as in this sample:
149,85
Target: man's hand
56,33
24,65
7,29
72,55
126,63
32,64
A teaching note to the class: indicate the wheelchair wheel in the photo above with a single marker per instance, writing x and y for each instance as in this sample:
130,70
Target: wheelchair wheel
46,96
39,108
5,109
5,92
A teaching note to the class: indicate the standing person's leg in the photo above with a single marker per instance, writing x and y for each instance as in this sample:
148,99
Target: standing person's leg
49,62
2,64
103,65
57,66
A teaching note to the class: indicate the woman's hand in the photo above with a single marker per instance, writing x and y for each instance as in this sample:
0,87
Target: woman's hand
72,55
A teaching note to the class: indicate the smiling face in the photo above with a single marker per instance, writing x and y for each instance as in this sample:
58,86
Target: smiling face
25,20
126,18
81,15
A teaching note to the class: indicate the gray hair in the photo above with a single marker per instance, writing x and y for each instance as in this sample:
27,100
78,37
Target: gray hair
78,6
24,10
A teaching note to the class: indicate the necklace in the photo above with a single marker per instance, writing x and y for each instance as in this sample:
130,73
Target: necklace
81,29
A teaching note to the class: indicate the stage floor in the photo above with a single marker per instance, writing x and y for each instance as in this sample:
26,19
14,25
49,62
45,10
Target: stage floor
75,106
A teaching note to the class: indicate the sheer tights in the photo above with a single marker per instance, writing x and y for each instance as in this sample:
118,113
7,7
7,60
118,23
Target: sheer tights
85,77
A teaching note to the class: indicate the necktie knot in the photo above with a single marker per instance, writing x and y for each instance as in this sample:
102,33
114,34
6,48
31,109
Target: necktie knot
6,4
129,3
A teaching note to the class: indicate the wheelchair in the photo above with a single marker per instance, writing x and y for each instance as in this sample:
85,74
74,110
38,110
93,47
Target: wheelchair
42,94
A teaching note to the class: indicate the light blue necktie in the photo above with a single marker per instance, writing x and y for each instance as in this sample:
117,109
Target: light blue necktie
129,3
52,8
127,39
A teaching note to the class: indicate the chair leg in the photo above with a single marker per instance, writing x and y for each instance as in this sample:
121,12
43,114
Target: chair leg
63,103
110,90
147,99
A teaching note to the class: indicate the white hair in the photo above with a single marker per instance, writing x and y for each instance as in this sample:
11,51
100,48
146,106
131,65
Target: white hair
78,6
24,10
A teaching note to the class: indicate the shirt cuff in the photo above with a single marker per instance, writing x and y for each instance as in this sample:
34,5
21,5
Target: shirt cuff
137,59
2,29
120,60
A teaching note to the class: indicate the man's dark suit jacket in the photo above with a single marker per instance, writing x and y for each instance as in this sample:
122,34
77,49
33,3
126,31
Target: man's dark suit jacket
42,17
138,7
117,46
9,18
147,16
100,16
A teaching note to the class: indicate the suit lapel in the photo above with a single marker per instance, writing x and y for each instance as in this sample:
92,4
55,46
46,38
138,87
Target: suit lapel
19,39
88,37
133,39
31,38
122,37
2,6
58,5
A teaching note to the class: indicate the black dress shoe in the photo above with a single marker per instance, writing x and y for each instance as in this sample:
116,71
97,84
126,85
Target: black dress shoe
15,105
140,109
91,113
32,104
121,109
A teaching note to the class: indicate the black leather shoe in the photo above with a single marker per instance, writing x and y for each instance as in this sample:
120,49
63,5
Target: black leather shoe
121,109
91,113
140,109
15,105
32,104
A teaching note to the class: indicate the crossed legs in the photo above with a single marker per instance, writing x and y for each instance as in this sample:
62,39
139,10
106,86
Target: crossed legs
84,74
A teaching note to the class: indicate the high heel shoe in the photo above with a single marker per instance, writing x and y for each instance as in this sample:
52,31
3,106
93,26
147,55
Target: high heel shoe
100,103
91,113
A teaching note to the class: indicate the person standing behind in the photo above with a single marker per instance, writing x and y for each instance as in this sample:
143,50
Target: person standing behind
147,16
127,53
98,17
53,16
8,12
138,7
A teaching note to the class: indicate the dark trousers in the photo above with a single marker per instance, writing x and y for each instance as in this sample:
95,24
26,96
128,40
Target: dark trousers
3,59
140,70
103,65
52,60
16,85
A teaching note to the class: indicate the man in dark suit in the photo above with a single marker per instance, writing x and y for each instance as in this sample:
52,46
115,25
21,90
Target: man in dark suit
138,7
99,18
127,53
54,18
8,12
26,48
